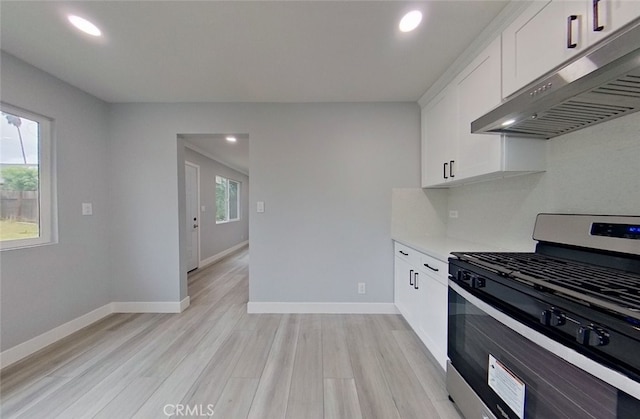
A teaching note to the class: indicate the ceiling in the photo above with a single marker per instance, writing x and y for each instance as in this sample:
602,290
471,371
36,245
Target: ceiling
244,51
215,146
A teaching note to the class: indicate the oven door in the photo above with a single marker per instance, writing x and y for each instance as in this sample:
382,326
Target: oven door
514,376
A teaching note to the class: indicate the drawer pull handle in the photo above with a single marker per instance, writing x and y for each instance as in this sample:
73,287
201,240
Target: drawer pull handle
570,43
444,170
597,27
415,281
451,168
403,253
411,277
431,267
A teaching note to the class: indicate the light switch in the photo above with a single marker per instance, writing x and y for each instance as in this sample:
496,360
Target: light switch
203,208
87,208
260,206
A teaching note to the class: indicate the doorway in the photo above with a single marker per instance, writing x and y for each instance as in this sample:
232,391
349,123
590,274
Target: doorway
192,193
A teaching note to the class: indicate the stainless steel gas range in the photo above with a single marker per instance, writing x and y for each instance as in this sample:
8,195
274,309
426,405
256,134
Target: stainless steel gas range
550,334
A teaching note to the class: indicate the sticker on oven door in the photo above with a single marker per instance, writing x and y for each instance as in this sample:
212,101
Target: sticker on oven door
506,385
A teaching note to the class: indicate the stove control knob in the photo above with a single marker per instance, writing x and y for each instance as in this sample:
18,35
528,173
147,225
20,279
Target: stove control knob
553,317
592,336
478,282
472,279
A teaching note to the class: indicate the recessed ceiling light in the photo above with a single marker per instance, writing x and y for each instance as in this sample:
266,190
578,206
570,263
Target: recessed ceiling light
508,122
410,21
231,139
84,25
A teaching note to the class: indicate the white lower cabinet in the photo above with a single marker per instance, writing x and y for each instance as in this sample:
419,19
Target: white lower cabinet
433,320
421,297
406,291
404,273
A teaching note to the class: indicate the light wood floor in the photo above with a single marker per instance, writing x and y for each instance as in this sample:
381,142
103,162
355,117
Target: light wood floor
216,358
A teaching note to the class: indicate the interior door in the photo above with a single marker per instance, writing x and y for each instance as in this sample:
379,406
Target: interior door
192,189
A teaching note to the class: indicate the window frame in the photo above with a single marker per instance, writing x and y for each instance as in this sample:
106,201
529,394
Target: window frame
47,223
227,201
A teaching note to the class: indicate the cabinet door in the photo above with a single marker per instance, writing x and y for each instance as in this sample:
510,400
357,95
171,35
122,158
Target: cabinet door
433,316
438,131
477,92
403,290
607,16
543,37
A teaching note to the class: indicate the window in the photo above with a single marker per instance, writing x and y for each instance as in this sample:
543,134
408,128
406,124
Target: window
26,200
227,200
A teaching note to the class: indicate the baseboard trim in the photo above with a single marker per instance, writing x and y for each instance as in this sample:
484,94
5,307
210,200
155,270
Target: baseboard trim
321,308
213,259
185,303
150,306
22,350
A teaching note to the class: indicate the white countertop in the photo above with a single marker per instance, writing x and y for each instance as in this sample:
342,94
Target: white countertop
440,247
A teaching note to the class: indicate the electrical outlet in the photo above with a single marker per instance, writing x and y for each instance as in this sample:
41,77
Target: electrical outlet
87,208
453,214
361,288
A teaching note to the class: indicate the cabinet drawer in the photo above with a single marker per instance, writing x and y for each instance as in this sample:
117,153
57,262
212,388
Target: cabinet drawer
410,255
434,268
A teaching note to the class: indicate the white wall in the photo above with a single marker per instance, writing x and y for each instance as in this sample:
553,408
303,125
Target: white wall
45,286
594,170
216,238
143,234
324,171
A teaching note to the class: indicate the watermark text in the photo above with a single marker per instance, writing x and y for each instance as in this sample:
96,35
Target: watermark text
179,409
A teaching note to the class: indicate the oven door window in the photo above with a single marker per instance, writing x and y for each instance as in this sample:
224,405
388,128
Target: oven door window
553,387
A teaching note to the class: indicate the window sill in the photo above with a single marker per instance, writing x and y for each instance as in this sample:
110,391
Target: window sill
7,246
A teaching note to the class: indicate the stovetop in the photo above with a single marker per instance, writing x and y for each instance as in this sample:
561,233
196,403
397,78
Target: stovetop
607,288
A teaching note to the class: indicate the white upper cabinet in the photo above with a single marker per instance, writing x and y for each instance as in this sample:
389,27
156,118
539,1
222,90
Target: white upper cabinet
545,35
438,138
606,16
477,91
551,32
450,153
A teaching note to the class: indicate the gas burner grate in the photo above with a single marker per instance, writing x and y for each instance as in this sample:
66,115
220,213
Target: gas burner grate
608,288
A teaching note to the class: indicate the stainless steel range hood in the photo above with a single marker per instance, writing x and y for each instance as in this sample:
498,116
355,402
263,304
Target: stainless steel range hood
601,84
